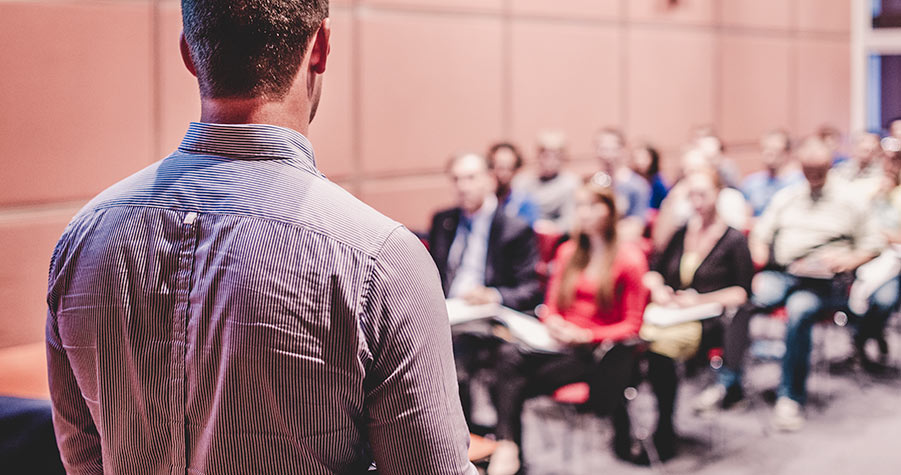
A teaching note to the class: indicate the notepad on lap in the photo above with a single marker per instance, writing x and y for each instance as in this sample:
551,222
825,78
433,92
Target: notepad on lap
668,316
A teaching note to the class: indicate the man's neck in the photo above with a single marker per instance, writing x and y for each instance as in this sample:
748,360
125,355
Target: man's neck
255,111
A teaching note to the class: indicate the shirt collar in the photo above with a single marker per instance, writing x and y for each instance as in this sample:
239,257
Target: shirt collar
248,142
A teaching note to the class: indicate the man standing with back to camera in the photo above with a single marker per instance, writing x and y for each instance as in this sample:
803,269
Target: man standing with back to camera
230,310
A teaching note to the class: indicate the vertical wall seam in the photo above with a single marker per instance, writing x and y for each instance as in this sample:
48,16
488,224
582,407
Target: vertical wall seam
624,47
156,122
793,56
507,70
356,108
717,66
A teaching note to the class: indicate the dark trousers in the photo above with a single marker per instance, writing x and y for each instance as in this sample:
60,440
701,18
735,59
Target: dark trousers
731,334
524,374
27,443
728,332
665,383
475,354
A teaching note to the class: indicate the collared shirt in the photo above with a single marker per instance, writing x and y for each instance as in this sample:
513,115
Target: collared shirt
519,204
553,197
633,194
230,310
760,187
799,225
469,251
863,182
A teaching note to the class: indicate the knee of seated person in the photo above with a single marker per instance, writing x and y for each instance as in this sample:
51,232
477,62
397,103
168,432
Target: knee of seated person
508,353
802,305
768,289
886,297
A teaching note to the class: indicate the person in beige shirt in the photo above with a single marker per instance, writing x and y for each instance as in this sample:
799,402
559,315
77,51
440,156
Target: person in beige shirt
812,233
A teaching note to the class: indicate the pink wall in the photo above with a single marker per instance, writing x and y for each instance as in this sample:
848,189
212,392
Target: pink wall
93,90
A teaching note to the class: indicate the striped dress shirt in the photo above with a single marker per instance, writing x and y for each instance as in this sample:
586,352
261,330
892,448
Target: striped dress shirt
230,310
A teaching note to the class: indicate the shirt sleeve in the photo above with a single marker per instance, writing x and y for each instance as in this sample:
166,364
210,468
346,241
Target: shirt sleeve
76,434
415,421
765,228
868,238
525,291
641,200
632,300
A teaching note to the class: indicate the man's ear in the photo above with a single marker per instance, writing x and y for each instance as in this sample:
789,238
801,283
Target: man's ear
321,47
186,54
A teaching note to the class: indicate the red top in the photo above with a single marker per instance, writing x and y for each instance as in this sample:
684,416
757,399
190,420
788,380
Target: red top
618,323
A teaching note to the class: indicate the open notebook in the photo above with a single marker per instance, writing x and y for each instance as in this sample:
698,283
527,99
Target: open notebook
528,330
668,316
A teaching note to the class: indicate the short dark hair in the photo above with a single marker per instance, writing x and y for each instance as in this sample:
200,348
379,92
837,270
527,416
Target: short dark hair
249,48
509,146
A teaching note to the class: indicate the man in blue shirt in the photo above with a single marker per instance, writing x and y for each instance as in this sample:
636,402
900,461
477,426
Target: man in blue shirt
778,173
633,193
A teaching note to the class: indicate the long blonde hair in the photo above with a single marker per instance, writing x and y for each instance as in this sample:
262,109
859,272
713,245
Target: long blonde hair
600,188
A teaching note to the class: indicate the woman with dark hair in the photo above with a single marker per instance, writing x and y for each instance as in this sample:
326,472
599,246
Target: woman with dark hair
595,301
646,162
705,262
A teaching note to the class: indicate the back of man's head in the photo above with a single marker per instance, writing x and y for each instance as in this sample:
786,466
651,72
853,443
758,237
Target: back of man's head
245,49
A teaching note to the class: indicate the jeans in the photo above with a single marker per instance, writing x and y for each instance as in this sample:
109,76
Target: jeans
882,303
805,302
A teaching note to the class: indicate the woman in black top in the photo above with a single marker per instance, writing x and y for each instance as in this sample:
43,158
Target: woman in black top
704,262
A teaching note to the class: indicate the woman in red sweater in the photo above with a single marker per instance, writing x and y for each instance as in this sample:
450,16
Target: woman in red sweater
595,300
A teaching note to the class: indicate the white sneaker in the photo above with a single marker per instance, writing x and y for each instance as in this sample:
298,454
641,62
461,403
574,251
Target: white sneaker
709,399
788,415
505,459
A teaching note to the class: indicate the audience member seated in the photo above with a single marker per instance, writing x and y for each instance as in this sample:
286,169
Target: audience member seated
633,192
863,171
779,171
483,255
676,208
595,300
832,137
705,140
646,163
813,235
505,161
705,262
875,292
551,188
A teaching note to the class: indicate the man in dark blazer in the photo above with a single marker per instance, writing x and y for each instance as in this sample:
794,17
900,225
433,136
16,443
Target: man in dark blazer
482,254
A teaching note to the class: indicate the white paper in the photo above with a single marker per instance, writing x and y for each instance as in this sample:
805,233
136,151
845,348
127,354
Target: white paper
527,330
458,311
668,316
